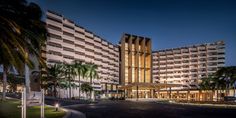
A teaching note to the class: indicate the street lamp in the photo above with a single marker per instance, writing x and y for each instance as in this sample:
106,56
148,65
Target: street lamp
56,106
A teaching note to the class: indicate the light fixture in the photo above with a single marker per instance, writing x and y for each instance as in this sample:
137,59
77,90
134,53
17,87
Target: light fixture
56,106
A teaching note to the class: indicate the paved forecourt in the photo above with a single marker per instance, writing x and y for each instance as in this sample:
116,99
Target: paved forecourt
151,109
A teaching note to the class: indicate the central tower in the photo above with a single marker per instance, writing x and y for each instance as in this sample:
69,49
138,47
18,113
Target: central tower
136,59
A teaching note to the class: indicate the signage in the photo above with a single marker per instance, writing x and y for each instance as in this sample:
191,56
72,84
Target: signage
34,98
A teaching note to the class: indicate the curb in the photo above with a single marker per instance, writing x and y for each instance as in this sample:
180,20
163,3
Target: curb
70,113
67,113
208,105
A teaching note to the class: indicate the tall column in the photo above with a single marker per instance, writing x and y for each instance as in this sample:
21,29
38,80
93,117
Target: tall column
130,60
177,94
137,60
170,94
106,88
144,56
122,65
200,95
137,93
117,93
188,95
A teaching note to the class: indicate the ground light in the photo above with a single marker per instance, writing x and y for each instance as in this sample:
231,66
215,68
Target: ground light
56,106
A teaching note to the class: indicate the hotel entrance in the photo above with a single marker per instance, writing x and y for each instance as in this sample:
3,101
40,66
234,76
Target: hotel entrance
141,94
144,90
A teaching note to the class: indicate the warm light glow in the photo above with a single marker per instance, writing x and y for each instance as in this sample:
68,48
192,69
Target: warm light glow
56,105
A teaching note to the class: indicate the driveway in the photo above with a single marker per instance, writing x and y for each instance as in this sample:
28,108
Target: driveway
129,109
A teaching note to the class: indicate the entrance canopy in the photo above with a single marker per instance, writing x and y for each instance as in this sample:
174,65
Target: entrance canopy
149,86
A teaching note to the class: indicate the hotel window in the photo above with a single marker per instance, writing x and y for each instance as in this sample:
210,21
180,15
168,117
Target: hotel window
67,26
54,44
53,27
68,34
54,19
68,41
68,49
79,32
54,36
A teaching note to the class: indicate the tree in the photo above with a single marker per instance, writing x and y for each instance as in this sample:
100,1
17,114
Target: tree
70,73
63,84
80,69
54,75
224,78
91,73
13,80
21,32
86,88
228,77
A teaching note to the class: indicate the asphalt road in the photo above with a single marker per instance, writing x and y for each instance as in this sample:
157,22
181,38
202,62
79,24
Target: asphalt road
128,109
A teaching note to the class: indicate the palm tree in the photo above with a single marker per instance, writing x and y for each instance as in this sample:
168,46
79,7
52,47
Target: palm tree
70,73
21,31
224,78
205,84
54,75
80,69
228,76
84,72
86,88
63,84
91,73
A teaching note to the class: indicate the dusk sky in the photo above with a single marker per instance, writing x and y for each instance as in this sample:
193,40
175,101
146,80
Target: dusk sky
169,23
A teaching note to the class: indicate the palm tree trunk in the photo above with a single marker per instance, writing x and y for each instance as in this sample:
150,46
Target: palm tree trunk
91,86
59,95
234,90
79,86
55,91
220,95
5,69
69,87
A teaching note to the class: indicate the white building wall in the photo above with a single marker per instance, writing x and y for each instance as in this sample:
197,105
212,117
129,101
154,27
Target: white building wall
73,42
186,65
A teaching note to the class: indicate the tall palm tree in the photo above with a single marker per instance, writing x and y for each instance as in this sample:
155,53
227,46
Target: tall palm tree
228,76
86,88
80,69
54,75
70,73
21,32
63,84
91,73
84,72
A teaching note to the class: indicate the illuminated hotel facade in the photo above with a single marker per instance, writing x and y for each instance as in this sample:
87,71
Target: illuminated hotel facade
68,42
135,62
187,65
139,71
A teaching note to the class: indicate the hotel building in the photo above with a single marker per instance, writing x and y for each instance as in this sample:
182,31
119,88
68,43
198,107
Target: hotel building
186,65
68,42
132,65
136,61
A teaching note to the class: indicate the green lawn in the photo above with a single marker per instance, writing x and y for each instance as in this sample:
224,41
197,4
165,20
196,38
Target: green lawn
8,109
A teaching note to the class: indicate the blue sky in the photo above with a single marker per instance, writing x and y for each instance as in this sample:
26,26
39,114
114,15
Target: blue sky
169,23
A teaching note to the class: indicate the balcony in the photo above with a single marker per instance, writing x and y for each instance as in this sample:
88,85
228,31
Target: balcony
48,21
54,31
68,30
51,56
